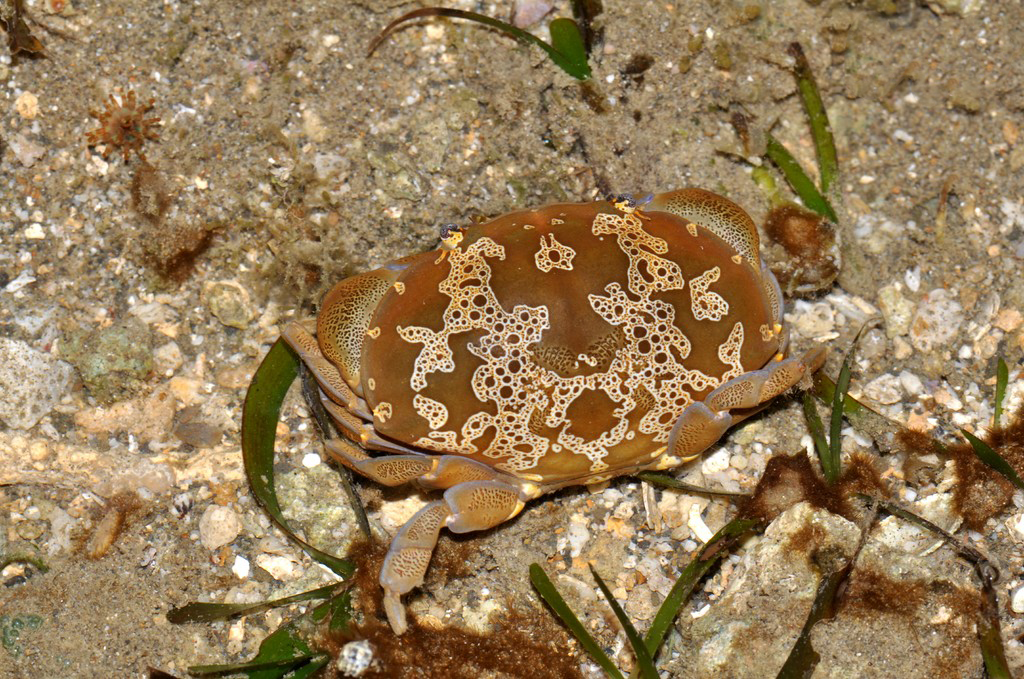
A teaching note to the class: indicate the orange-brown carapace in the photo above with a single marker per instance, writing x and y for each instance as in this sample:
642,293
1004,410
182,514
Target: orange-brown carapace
550,347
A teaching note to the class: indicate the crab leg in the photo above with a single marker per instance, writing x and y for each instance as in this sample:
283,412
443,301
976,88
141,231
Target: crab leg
361,432
326,374
474,500
387,470
466,507
704,422
429,471
408,557
452,470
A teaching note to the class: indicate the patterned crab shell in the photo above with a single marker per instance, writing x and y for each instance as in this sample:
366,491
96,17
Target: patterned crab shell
561,344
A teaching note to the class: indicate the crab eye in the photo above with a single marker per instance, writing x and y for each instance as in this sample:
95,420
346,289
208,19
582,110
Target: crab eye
448,229
624,202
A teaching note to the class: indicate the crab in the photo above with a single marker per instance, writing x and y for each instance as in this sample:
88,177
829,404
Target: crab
564,345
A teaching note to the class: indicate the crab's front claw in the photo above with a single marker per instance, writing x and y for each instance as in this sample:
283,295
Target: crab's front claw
468,506
408,558
757,387
704,422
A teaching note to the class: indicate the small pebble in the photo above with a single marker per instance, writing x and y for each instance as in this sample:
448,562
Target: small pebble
235,377
32,383
812,319
577,535
25,150
897,310
236,635
281,568
240,567
1018,526
185,389
697,525
355,657
901,349
198,433
1017,602
38,451
1008,320
96,166
529,12
912,277
30,530
938,319
27,105
946,397
716,462
884,389
911,383
148,557
229,302
218,526
167,359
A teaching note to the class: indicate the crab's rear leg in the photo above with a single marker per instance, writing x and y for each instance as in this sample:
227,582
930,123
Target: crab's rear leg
704,422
